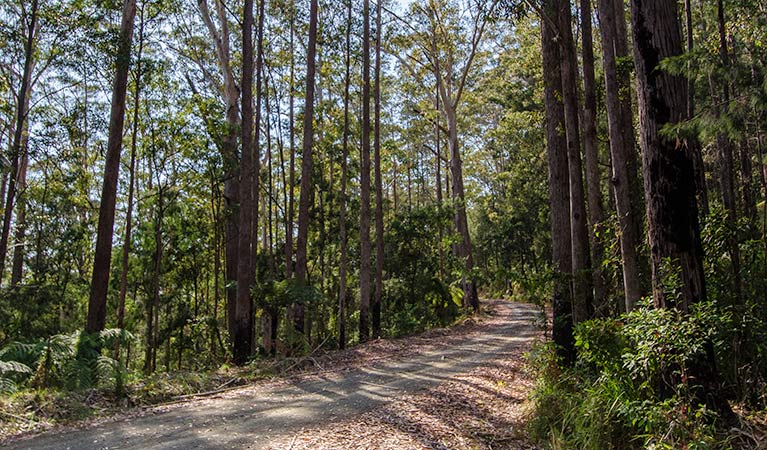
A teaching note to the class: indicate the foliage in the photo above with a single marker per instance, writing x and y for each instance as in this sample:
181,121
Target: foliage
72,361
632,386
417,294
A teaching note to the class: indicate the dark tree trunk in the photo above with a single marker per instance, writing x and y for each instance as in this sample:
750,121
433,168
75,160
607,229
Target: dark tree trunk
243,326
342,201
292,169
559,187
306,166
17,268
672,212
20,124
364,326
97,304
376,309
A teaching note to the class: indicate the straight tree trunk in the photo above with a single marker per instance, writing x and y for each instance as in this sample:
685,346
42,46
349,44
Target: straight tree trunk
131,179
342,201
306,166
97,303
692,141
582,287
378,183
291,185
622,149
364,326
591,155
559,184
725,158
17,268
243,329
22,109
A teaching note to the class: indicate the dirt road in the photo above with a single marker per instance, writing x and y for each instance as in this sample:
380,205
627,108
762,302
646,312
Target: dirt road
260,416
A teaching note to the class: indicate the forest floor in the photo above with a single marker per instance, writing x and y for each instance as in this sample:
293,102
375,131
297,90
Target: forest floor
465,387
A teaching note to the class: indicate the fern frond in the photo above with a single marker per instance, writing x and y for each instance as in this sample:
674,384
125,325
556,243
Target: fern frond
14,367
112,336
7,386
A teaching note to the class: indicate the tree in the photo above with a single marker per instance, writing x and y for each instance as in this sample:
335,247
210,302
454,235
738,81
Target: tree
364,325
20,125
582,287
596,214
103,257
559,185
243,329
622,148
344,175
306,165
438,52
378,183
669,176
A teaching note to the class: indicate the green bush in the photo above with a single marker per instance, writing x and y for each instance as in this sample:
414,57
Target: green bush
632,386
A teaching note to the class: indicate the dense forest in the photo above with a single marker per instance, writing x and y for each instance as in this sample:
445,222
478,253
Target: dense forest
191,184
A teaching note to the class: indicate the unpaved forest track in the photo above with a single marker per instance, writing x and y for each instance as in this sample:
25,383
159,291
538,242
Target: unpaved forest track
280,414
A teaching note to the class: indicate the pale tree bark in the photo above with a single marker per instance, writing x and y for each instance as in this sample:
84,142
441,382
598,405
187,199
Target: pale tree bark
306,166
378,182
622,147
230,93
450,88
582,286
97,303
591,155
364,325
559,184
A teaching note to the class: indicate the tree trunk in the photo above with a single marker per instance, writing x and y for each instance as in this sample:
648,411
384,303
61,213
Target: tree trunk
131,180
673,229
17,268
672,212
291,191
306,166
97,303
376,309
692,141
344,175
622,149
725,158
559,188
243,329
582,288
22,109
591,155
365,180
